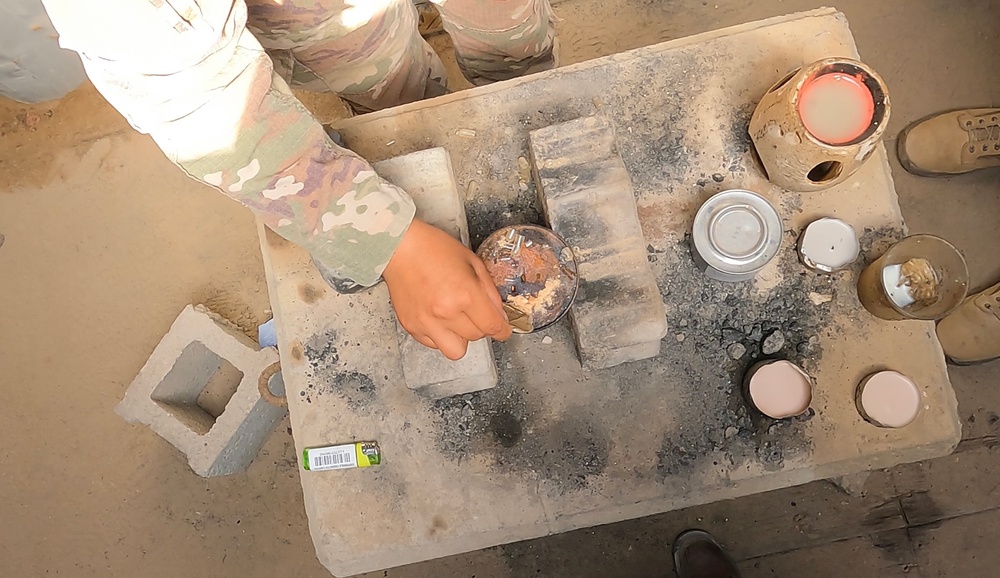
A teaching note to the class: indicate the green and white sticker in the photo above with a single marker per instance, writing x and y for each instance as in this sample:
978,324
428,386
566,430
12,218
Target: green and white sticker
342,457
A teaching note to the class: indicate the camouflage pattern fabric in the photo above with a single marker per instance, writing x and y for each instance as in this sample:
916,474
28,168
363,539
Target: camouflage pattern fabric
369,52
194,75
500,39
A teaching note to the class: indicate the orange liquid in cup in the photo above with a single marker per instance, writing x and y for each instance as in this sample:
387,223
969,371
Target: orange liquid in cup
836,108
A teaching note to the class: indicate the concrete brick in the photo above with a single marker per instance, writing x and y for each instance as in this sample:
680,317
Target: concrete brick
199,391
587,197
428,177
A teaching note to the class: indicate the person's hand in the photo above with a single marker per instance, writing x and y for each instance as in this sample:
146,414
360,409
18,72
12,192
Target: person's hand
442,293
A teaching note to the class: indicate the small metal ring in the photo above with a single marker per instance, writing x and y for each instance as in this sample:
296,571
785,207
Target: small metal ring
265,392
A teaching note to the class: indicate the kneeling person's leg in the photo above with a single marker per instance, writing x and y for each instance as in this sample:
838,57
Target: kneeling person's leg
370,52
499,39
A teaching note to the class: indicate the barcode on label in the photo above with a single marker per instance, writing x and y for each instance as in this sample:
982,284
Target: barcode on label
334,458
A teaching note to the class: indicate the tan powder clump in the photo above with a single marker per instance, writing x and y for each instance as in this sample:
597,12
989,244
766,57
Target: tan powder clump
919,277
532,305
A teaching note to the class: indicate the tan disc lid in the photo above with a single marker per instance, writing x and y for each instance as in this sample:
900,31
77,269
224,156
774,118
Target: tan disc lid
779,389
889,399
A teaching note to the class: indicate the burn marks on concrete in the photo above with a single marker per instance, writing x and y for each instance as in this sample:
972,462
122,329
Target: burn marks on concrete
710,323
518,435
327,376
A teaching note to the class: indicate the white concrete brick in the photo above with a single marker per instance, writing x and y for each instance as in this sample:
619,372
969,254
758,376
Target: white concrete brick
183,383
428,177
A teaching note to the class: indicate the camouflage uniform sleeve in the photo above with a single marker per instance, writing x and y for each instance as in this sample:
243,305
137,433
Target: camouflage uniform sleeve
191,76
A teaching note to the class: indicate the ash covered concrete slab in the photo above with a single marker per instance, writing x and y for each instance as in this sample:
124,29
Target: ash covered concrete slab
552,447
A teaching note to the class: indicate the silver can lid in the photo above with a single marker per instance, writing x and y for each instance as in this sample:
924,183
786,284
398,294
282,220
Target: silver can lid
737,232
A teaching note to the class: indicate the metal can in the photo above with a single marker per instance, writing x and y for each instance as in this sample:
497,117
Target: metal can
921,277
736,233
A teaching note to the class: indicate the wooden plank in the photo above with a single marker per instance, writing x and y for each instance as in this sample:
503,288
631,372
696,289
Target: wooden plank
863,556
965,483
963,547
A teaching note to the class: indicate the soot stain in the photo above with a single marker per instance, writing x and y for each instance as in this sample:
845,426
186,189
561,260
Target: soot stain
506,428
327,377
717,331
583,223
487,215
321,353
309,293
875,241
711,322
656,152
503,426
738,142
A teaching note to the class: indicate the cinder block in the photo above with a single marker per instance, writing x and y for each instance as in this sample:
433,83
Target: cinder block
587,197
199,391
428,177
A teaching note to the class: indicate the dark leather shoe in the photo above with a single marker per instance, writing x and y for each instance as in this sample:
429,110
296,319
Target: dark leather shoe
698,555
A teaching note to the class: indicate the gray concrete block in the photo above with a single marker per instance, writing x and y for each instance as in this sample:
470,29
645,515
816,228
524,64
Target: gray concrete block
428,177
587,197
199,391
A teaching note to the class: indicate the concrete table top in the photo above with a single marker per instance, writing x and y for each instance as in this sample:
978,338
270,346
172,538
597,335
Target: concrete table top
553,447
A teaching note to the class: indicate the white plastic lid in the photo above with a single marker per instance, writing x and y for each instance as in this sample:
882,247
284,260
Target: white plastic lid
829,245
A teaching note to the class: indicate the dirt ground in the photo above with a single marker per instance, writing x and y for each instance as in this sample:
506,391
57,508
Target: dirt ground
103,242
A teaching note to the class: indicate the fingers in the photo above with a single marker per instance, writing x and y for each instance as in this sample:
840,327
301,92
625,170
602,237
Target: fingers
487,318
484,279
486,310
423,339
454,346
465,328
450,344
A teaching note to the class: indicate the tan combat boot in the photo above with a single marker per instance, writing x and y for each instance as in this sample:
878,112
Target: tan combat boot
951,143
971,334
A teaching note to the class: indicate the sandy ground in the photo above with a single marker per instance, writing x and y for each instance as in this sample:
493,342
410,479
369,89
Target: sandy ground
104,242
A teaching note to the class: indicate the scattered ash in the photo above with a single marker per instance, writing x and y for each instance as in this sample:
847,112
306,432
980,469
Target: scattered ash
658,150
321,353
738,143
488,215
717,331
327,376
503,425
874,242
467,418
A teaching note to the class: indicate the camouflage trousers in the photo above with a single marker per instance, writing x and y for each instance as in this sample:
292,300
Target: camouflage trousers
371,53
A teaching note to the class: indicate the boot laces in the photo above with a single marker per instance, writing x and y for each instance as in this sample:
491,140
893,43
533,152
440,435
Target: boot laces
984,133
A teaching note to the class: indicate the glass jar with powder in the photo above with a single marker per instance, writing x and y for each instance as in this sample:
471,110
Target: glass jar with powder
921,277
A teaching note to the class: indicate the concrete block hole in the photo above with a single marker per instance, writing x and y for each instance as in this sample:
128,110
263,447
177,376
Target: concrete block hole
198,387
